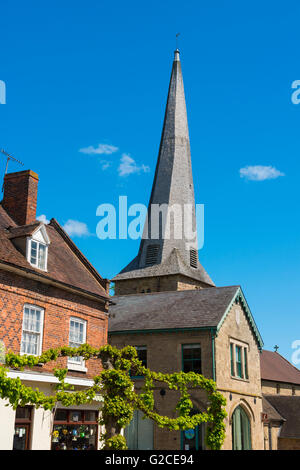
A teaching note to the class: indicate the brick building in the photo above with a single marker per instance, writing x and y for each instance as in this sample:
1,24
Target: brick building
168,307
50,296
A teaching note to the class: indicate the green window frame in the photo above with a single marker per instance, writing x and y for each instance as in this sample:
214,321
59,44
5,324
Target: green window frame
246,363
231,359
238,361
193,439
191,358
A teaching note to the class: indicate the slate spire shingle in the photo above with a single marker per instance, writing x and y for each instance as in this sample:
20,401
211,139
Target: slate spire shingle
172,186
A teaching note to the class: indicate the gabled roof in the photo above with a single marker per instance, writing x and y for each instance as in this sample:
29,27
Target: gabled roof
288,407
276,368
176,310
66,264
30,231
23,230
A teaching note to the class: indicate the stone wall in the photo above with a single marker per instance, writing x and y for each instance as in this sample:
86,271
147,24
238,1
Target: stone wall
270,388
271,431
243,392
157,284
164,355
288,444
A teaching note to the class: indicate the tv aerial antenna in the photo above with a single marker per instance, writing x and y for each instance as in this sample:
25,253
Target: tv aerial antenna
8,158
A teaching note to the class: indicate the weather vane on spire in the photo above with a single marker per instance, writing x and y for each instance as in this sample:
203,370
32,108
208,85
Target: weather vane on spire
177,36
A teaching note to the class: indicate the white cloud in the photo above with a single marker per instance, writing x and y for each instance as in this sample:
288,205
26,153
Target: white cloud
43,218
105,164
128,166
102,149
74,228
260,173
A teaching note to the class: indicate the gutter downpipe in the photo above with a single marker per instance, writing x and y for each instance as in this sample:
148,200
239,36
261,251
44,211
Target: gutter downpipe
213,336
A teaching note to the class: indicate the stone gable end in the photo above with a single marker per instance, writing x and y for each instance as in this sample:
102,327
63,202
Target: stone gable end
239,392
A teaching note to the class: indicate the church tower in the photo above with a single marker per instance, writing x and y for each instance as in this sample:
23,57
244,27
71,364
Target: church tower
168,258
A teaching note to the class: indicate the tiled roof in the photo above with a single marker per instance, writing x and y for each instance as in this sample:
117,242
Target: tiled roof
278,369
66,264
270,411
171,310
288,407
22,230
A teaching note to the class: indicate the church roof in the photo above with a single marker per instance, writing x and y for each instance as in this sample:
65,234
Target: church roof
288,407
272,413
188,309
169,310
276,368
160,254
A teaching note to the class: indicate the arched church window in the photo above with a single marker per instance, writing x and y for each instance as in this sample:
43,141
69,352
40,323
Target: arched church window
241,430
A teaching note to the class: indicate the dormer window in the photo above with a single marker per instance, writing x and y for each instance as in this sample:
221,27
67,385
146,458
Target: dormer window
38,255
37,248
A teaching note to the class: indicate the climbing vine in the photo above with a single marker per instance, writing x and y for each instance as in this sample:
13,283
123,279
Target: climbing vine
120,399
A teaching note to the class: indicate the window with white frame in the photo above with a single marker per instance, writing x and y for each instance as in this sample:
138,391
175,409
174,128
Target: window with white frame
32,330
77,337
239,360
37,254
37,248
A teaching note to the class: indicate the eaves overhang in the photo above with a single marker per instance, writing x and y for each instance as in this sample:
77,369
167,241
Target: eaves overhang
31,274
239,297
161,330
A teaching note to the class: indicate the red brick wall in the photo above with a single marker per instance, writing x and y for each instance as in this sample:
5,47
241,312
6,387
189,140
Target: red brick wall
59,306
20,196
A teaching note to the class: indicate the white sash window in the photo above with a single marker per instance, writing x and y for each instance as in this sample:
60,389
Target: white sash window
77,337
32,330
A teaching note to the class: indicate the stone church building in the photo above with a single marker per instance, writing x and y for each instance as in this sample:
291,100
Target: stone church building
168,307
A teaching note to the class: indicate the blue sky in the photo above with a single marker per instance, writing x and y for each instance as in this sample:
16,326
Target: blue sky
80,74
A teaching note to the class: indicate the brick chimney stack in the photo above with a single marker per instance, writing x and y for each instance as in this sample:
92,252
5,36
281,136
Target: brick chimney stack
20,196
